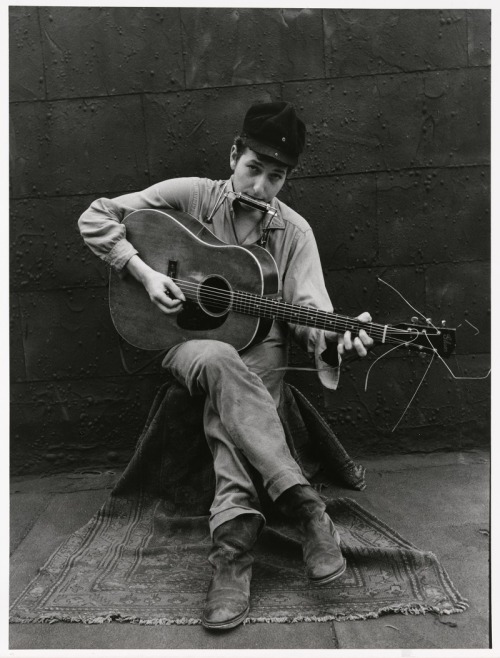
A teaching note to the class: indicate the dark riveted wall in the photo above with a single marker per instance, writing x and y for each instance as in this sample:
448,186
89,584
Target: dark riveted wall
395,182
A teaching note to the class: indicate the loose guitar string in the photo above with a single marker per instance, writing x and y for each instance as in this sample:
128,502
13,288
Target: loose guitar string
436,353
470,323
246,301
416,391
458,377
405,300
216,295
382,356
421,381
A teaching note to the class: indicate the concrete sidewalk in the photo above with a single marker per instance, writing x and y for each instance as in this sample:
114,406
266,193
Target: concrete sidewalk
439,502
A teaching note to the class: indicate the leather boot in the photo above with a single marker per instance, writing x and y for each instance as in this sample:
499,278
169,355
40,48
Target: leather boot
228,597
320,540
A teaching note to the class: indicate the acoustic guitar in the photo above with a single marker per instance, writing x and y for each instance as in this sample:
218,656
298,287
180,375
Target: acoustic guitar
232,293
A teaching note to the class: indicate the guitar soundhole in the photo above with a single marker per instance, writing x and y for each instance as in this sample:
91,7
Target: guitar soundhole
215,296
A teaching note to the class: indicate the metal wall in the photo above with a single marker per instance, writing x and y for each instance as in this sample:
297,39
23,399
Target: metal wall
395,182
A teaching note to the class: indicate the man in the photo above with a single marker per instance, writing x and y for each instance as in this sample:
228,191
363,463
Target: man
242,391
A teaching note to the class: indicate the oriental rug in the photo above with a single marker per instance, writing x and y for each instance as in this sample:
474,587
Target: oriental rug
135,562
142,558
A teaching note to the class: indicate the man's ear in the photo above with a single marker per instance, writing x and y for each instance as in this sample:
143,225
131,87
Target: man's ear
233,157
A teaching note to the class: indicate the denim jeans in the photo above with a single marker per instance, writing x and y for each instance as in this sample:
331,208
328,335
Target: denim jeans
241,421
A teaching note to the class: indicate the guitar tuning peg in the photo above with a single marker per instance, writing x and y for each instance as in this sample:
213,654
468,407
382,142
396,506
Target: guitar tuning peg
429,321
443,323
414,319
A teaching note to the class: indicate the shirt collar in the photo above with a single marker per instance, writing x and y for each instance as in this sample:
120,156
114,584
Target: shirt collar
277,221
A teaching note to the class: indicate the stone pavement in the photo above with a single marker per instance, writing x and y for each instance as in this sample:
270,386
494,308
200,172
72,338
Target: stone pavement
439,502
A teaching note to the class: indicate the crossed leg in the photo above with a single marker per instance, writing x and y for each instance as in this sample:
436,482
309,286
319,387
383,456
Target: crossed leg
241,421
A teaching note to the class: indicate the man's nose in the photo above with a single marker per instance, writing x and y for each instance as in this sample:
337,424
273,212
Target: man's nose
259,187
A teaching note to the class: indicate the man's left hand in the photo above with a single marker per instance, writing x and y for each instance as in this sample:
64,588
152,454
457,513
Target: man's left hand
346,343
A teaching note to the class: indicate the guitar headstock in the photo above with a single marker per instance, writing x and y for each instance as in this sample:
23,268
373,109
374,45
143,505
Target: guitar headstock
428,337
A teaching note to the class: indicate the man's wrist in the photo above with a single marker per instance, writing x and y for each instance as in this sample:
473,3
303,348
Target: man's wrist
138,269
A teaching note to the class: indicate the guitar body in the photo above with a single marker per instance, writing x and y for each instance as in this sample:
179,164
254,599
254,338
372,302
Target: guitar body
179,246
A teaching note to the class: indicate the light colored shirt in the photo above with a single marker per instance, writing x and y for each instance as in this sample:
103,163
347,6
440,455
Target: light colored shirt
291,242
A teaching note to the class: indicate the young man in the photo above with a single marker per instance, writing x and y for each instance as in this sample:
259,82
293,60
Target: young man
242,391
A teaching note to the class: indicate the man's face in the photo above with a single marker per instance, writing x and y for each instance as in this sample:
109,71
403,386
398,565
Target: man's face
255,176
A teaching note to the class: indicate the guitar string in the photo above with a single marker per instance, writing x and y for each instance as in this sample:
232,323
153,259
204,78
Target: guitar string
436,353
416,390
247,302
459,377
250,303
405,300
379,358
333,326
349,323
222,297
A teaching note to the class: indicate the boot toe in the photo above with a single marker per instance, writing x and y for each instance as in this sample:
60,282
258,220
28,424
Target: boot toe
322,574
223,615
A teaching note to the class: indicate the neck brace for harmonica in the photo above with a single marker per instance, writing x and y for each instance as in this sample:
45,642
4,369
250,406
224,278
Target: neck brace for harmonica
249,201
242,198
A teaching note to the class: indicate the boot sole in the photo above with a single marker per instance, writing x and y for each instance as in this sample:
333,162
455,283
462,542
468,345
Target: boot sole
319,582
226,625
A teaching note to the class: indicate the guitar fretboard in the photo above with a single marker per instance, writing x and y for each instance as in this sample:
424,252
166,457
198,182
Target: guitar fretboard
275,309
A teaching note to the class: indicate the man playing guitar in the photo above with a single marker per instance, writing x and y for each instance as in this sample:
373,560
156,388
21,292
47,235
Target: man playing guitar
242,390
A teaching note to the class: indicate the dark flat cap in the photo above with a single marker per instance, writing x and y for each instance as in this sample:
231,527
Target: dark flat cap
275,130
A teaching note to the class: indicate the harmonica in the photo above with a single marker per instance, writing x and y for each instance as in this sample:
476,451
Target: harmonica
254,203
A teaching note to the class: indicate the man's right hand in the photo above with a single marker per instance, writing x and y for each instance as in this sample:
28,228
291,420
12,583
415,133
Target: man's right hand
162,291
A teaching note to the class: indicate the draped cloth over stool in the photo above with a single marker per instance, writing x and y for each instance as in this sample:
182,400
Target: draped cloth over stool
173,461
142,558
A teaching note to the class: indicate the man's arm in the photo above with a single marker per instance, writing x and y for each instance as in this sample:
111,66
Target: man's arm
101,224
104,233
304,285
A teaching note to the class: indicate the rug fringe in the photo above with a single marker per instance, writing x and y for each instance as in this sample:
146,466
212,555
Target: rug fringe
414,609
104,619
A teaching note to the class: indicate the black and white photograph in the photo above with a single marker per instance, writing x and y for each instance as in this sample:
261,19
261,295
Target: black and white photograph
249,308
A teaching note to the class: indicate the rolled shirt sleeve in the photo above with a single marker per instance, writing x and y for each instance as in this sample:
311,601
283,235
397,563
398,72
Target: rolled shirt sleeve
101,224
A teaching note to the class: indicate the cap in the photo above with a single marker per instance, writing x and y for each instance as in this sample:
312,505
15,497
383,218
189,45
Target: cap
274,129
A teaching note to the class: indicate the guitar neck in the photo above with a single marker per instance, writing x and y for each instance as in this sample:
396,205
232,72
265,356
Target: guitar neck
222,300
214,307
307,316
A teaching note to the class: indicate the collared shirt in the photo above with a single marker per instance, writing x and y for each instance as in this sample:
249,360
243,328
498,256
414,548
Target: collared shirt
290,241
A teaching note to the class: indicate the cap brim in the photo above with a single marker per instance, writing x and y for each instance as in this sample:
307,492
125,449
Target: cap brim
271,152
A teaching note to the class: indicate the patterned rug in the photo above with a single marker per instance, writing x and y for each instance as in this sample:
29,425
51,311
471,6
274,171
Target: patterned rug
143,557
136,561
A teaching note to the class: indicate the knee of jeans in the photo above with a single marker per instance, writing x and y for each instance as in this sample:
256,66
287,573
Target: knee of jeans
216,353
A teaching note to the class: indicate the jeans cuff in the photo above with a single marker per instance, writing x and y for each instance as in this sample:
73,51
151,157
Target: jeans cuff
221,517
283,481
